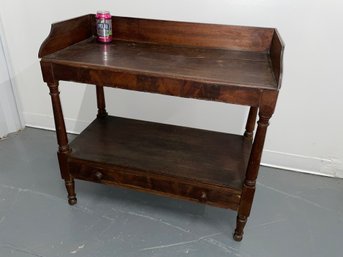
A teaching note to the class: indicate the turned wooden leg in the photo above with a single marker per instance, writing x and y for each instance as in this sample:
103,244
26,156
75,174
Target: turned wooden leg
62,140
251,175
250,126
70,186
100,97
240,223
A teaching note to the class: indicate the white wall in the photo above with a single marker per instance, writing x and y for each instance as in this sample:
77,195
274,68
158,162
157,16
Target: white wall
10,120
306,130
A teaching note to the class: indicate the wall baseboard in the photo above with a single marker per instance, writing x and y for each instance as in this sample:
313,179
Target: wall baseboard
304,164
36,120
274,159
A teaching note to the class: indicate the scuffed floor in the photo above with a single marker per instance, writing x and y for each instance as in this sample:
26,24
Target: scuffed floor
293,214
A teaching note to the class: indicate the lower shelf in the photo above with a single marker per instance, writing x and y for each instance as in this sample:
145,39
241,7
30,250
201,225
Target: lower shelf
186,163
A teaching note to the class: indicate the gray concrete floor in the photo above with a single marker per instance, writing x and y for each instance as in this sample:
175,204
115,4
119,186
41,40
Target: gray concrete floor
293,214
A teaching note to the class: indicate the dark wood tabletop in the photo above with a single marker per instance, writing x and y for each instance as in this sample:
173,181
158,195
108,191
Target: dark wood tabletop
214,66
205,61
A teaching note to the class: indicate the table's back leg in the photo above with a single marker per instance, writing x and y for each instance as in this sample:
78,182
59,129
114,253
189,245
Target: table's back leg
62,141
250,125
100,97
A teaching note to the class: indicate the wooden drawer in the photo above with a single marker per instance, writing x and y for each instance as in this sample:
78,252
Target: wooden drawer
158,184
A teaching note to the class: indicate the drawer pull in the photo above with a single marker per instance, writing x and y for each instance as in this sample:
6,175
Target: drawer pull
98,175
203,196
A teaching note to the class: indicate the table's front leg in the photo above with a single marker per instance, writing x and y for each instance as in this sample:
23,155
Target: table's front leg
267,105
251,175
62,141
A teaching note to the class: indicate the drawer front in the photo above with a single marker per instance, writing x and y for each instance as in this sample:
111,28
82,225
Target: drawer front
158,184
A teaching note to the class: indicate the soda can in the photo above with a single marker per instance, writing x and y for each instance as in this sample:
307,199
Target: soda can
104,26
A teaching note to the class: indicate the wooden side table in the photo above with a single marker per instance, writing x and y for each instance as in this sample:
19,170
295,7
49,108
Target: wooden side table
231,64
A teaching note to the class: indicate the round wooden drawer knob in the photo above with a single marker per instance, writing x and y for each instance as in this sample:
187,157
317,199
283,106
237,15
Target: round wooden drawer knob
203,196
98,175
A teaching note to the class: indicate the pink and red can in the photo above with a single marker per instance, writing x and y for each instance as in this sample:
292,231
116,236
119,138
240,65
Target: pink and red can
104,26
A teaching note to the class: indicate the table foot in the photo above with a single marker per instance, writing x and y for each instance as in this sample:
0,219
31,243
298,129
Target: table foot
70,186
237,237
241,221
72,200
